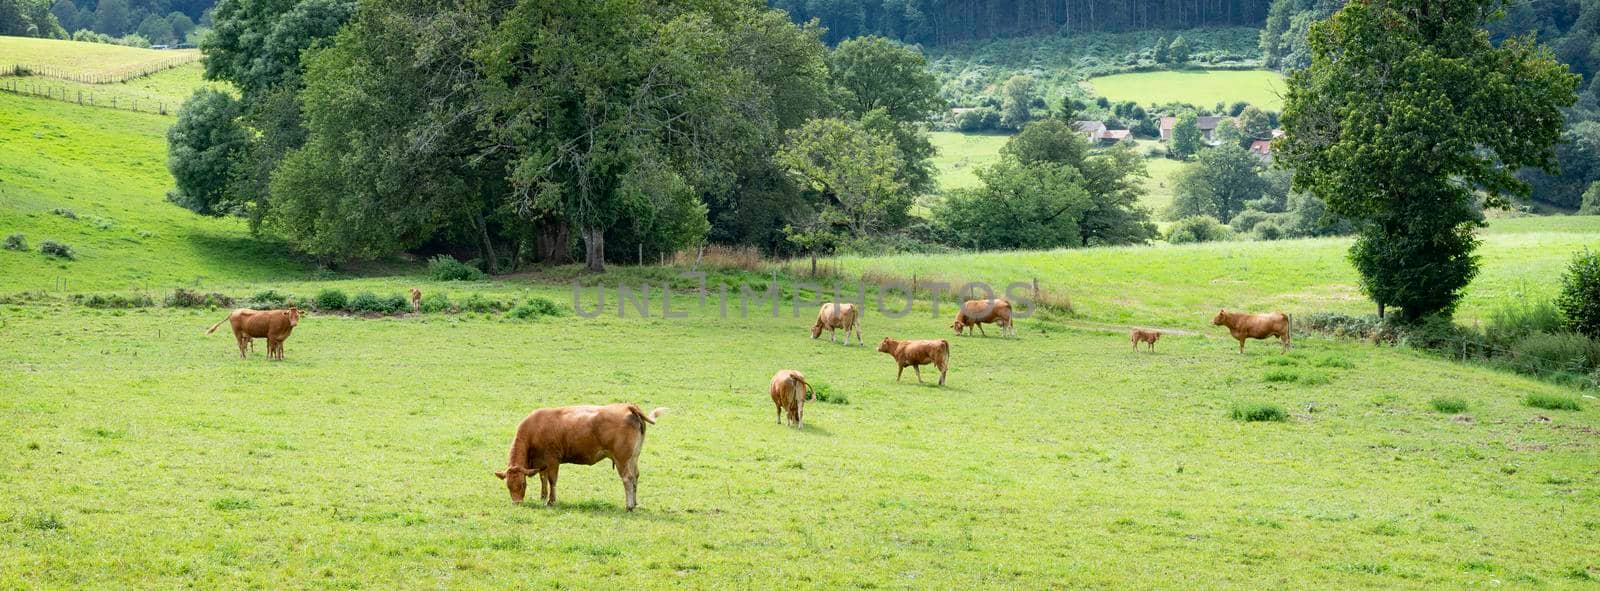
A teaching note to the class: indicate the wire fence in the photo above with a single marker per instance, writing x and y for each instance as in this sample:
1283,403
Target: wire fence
32,87
109,77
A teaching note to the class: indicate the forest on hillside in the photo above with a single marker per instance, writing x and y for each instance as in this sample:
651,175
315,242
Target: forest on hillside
938,22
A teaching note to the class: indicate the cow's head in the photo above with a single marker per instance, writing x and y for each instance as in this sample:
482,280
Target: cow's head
294,315
958,326
516,478
1220,319
886,346
816,329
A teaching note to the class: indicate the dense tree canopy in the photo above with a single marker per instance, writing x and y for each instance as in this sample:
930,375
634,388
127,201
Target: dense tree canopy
949,21
1408,114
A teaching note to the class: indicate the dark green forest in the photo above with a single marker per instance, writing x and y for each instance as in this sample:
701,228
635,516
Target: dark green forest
937,22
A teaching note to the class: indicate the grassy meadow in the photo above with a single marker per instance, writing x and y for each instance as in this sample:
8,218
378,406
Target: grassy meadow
81,58
960,155
168,88
1198,87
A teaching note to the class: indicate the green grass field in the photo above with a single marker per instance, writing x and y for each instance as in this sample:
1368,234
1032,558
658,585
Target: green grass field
86,59
167,89
962,154
1198,87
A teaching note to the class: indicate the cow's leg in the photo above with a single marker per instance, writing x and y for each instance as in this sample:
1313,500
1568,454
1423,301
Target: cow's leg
918,369
942,370
1285,340
898,374
243,344
780,413
980,330
800,412
629,471
1241,346
1135,344
858,335
832,332
544,486
552,471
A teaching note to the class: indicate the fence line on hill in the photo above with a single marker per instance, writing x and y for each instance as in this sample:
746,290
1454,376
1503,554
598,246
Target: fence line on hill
113,77
64,94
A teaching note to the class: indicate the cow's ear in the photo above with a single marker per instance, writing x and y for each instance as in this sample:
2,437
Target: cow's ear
501,475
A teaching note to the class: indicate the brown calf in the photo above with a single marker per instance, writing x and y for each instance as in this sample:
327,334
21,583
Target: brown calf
1145,336
250,324
1254,326
917,354
980,312
789,393
836,316
584,435
416,300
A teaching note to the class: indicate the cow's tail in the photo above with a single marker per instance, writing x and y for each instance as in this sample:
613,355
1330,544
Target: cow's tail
214,326
810,394
944,353
650,418
1288,330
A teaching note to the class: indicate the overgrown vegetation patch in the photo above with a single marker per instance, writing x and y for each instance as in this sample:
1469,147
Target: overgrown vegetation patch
1551,401
1256,411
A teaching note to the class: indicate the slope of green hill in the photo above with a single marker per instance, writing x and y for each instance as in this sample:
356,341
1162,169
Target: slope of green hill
108,168
87,60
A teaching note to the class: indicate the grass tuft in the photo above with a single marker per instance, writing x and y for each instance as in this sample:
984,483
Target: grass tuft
1550,401
1448,404
233,504
1257,411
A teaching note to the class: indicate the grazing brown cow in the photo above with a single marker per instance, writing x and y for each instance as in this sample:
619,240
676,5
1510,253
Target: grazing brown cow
836,316
1145,336
250,324
789,393
577,435
917,354
1254,326
980,312
416,300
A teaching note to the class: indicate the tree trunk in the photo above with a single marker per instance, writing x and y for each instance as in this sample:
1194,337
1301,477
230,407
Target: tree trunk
516,254
490,262
813,264
594,250
552,241
1380,310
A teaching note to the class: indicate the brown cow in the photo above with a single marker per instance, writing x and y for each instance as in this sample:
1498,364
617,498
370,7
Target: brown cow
789,393
577,435
1254,326
917,354
250,324
980,312
1145,336
416,300
835,316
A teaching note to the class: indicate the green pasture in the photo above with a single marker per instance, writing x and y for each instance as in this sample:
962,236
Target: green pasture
168,88
1203,88
81,58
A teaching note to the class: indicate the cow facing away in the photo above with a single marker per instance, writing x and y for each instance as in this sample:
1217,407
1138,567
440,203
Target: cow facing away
584,435
833,316
1145,336
1254,326
416,300
789,393
980,312
917,354
274,325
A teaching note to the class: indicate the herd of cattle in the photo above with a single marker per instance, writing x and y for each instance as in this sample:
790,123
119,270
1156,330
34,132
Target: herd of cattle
587,434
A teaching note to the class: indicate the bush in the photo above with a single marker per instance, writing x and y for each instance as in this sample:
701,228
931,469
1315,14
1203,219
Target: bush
57,249
477,303
1257,411
1369,328
367,301
535,307
269,300
1580,294
435,302
1513,320
1552,401
64,212
396,303
332,300
16,242
446,268
114,301
1198,228
183,298
100,222
825,393
1448,404
1541,353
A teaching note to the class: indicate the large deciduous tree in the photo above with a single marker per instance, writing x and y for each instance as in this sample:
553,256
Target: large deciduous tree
1406,116
201,149
1218,184
876,73
855,172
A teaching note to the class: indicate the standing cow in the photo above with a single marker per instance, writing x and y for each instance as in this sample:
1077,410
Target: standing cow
416,300
250,324
917,354
1145,336
790,391
550,437
1254,326
836,316
980,312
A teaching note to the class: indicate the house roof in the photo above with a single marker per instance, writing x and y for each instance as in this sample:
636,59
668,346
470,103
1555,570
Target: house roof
1261,147
1117,134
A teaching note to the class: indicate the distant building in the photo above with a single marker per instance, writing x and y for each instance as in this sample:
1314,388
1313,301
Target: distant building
1208,127
1262,149
1097,133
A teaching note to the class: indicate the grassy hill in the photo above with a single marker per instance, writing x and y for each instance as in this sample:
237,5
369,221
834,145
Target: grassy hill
1197,87
87,60
962,154
109,169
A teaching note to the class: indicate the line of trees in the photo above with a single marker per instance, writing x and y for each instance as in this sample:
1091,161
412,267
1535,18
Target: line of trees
936,22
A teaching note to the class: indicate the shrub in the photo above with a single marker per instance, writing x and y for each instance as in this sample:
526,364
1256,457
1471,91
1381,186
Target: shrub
367,301
1257,411
57,249
269,300
183,298
396,303
1543,353
1197,228
64,212
435,302
114,301
535,307
1448,404
477,303
825,393
1552,401
16,242
1346,326
100,222
1580,294
446,268
331,300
